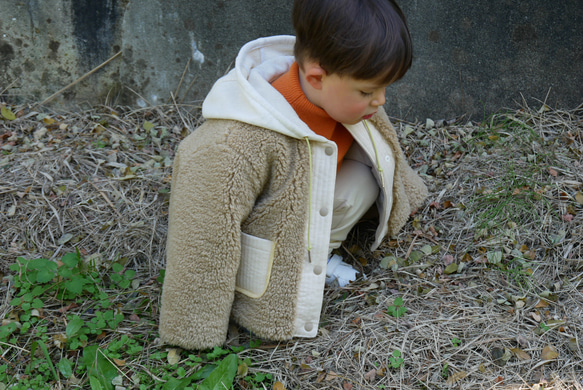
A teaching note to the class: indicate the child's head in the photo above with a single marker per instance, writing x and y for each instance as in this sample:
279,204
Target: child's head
361,39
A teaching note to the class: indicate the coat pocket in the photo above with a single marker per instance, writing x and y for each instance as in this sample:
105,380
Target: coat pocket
255,268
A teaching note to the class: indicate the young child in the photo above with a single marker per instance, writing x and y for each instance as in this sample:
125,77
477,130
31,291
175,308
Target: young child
295,149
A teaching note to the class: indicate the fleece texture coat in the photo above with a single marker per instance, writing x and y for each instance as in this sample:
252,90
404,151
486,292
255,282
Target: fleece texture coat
251,208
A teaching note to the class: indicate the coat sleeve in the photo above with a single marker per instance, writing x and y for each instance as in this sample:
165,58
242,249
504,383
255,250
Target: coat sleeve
213,190
409,190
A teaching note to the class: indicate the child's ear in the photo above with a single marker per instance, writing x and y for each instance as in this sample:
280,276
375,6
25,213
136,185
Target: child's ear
314,74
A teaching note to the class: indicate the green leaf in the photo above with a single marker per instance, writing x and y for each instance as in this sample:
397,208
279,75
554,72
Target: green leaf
65,367
217,352
45,275
45,351
416,256
65,272
37,303
7,114
427,249
75,285
176,384
46,270
494,257
398,301
99,367
450,269
95,383
222,377
148,125
180,384
16,301
27,297
73,327
15,267
38,290
116,267
70,260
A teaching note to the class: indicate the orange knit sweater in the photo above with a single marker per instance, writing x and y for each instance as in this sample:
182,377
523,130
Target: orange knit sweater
316,118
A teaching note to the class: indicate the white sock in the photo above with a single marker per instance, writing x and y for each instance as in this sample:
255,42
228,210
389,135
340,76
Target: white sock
339,271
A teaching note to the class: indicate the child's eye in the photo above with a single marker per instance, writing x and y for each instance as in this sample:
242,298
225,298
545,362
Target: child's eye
366,94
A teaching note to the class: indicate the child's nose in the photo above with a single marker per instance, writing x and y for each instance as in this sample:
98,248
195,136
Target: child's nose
379,98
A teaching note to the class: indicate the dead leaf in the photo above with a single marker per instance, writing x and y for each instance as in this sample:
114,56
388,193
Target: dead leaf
573,345
331,376
101,336
347,386
48,121
549,353
60,340
522,341
134,317
456,377
119,362
7,114
501,355
174,355
435,205
499,379
520,354
541,303
381,371
148,125
579,197
535,316
448,259
278,386
371,375
242,370
552,172
567,217
450,269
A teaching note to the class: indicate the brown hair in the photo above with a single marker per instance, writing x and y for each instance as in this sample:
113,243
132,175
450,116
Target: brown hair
363,39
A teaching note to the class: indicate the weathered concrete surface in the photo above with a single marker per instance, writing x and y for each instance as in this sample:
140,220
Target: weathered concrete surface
479,56
470,57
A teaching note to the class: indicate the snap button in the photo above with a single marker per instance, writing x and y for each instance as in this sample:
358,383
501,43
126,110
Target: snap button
387,158
323,211
308,326
318,270
329,150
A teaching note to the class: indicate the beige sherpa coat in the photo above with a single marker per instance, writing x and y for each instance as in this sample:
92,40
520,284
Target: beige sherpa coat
250,209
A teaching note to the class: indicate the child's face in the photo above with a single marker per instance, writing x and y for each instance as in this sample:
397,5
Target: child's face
348,100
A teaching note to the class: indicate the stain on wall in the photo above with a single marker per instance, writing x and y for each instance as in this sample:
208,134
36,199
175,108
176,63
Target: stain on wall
6,54
94,25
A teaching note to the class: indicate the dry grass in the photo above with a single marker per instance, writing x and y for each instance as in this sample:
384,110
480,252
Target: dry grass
509,187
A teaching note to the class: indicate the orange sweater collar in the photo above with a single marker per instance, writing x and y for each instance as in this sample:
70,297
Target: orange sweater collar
316,118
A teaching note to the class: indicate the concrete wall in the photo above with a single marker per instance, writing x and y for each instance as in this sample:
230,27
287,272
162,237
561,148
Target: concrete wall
470,57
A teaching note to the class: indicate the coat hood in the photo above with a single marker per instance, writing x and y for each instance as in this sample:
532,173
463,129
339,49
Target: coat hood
246,95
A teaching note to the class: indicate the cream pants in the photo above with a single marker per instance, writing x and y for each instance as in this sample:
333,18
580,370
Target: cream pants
355,192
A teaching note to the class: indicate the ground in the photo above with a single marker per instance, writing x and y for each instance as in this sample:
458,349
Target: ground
482,289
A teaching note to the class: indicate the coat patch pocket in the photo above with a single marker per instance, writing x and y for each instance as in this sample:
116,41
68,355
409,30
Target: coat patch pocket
255,268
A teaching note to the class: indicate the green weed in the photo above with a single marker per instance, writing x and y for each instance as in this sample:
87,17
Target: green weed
68,328
396,360
397,309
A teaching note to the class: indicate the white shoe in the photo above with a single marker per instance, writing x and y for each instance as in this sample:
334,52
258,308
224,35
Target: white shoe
340,271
